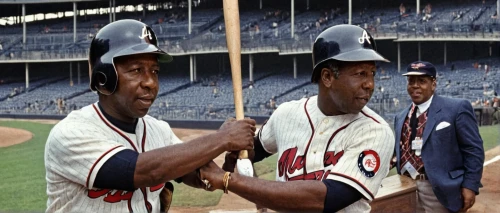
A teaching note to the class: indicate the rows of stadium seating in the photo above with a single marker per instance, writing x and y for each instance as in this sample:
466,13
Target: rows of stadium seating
212,96
54,38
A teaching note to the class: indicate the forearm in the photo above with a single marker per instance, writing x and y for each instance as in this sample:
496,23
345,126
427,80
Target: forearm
294,196
167,163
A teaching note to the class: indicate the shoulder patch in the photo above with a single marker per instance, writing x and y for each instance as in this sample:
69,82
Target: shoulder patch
368,162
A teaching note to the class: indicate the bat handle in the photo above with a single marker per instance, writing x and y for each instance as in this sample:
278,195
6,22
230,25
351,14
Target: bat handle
243,154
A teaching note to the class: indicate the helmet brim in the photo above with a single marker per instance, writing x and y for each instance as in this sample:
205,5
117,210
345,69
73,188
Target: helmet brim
360,55
354,55
163,57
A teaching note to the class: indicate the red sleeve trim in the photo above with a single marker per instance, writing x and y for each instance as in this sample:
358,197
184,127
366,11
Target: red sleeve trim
96,162
356,181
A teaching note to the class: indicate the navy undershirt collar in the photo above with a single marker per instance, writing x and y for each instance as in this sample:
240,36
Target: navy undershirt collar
124,126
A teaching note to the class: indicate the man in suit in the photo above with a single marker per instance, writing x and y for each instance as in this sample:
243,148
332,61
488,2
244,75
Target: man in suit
438,145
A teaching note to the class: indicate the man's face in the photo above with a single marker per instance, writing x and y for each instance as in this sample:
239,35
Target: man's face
137,86
353,88
420,88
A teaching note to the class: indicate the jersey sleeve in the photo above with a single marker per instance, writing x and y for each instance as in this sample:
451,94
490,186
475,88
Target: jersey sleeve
173,139
365,162
267,134
74,152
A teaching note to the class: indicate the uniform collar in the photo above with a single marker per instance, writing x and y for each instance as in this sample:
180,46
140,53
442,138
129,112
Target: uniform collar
126,127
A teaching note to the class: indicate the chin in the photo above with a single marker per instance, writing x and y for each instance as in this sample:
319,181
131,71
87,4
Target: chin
142,113
417,101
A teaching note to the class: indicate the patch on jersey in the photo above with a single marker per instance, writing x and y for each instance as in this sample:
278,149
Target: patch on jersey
369,162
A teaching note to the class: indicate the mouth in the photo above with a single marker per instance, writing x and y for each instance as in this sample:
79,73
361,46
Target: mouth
363,100
146,101
415,94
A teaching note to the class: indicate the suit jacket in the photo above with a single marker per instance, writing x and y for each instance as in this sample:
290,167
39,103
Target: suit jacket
453,156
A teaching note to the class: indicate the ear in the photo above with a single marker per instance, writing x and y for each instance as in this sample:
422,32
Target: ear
327,77
434,83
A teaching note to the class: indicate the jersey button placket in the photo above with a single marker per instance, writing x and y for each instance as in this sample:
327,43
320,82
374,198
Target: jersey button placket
324,122
315,158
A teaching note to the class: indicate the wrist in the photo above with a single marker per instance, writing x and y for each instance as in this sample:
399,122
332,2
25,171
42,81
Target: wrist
233,181
223,139
222,143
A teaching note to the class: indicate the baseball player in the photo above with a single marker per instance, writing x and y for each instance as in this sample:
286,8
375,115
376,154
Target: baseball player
111,156
333,151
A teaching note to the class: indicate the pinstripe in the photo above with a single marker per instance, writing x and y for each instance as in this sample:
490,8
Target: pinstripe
290,129
74,145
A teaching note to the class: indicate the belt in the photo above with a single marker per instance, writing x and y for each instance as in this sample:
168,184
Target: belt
422,177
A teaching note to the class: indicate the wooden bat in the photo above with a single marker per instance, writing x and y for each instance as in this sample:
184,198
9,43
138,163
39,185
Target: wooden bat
232,22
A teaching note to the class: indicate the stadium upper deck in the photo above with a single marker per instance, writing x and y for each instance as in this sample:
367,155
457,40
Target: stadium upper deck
263,30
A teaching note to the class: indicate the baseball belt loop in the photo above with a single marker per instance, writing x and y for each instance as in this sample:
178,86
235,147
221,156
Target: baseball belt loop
421,177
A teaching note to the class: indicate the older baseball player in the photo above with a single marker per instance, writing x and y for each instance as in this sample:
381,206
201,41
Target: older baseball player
333,151
111,156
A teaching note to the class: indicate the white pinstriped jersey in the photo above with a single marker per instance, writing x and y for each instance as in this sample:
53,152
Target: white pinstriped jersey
80,144
352,148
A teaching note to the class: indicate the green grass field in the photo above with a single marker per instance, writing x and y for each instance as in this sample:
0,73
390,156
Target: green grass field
23,173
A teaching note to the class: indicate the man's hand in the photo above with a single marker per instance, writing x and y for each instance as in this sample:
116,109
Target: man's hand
214,174
193,179
237,135
232,158
230,161
468,198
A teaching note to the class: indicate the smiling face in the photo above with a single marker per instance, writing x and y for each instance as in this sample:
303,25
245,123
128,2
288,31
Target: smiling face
420,88
137,87
350,92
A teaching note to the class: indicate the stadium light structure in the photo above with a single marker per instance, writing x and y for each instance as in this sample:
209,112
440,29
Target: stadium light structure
350,11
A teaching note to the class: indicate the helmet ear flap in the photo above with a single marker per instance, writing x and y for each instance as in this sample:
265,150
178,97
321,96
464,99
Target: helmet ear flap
104,83
101,78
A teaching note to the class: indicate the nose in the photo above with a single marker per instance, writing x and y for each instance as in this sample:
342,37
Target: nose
369,83
149,80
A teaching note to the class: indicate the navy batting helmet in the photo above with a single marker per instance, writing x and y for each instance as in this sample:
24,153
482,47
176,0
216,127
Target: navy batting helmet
344,43
120,38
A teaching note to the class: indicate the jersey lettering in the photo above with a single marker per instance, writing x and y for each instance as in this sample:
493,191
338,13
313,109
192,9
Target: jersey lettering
288,164
331,158
318,147
118,196
156,188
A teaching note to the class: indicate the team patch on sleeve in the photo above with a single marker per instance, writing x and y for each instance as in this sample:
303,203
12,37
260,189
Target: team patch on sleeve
369,162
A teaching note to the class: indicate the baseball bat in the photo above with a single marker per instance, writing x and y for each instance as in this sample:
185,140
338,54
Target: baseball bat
232,22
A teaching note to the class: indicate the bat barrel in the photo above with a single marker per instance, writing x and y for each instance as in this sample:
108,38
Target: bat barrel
233,38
